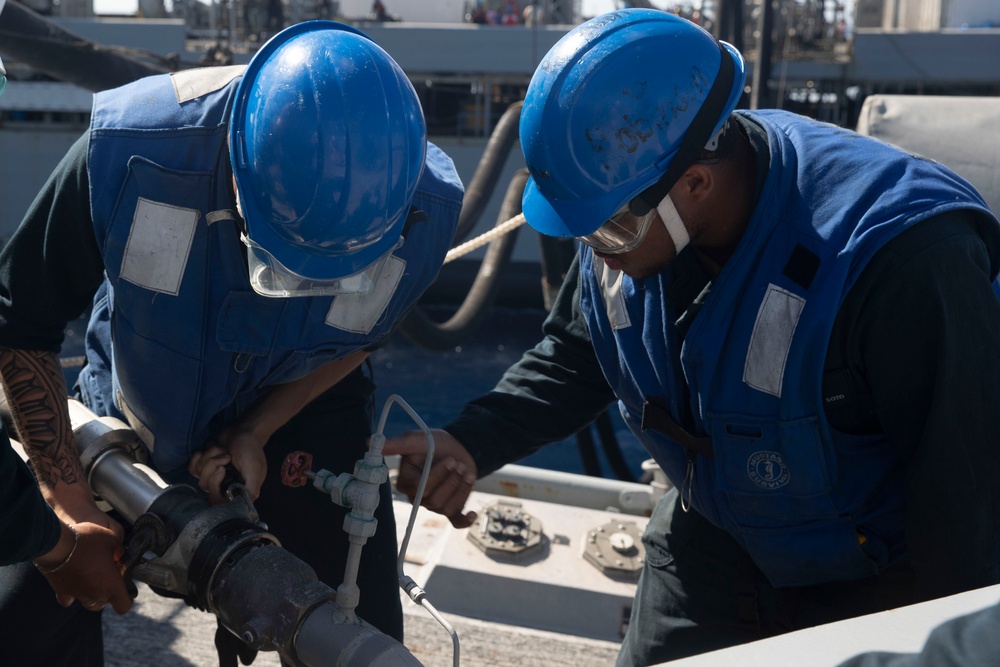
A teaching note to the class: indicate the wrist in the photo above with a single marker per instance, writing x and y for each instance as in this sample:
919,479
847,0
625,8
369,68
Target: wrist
62,553
258,426
73,503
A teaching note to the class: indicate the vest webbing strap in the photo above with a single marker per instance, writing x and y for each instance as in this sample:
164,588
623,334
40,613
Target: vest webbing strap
656,416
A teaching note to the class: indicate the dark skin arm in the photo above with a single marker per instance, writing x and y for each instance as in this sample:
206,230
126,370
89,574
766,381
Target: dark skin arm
553,391
450,480
36,391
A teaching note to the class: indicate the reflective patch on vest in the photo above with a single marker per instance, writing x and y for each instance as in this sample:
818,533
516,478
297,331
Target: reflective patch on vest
193,83
158,246
772,338
220,215
611,291
358,313
140,429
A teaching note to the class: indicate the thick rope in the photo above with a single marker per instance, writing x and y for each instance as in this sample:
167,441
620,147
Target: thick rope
483,239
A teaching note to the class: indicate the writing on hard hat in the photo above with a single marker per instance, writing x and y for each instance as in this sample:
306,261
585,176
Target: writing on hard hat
327,142
616,111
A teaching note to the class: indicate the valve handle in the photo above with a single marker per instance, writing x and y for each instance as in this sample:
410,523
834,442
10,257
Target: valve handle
233,488
231,479
295,469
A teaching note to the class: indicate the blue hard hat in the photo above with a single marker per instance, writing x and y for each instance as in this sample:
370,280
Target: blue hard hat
327,141
617,105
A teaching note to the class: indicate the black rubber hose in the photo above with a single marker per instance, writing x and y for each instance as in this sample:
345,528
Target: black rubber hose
479,190
556,256
588,452
34,40
423,331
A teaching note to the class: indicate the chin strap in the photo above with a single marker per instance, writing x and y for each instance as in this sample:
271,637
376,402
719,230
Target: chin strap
675,226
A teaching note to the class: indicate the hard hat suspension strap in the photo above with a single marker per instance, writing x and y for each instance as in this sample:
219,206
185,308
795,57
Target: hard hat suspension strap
697,135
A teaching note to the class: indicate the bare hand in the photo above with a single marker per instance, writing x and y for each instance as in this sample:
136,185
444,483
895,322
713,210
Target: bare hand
239,447
209,466
451,478
88,567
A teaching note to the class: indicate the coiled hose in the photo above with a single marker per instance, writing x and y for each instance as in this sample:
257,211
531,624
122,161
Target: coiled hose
420,328
432,335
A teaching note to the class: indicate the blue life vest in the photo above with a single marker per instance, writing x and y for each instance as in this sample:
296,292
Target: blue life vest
178,343
748,374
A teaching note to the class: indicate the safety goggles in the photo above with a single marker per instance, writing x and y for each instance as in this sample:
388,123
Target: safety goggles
3,78
622,232
271,278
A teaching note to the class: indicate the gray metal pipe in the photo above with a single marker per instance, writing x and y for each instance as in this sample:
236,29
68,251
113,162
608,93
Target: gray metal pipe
108,451
363,644
220,560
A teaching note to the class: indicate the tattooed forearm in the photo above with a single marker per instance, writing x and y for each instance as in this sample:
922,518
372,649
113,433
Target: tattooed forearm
36,394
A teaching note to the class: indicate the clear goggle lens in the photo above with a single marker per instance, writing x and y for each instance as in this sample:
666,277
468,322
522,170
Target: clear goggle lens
271,278
622,232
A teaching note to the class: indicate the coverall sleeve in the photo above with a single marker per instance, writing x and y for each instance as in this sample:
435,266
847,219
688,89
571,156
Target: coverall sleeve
552,392
28,526
928,331
51,266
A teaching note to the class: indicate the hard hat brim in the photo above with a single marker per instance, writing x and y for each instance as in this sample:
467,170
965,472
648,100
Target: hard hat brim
545,219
